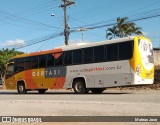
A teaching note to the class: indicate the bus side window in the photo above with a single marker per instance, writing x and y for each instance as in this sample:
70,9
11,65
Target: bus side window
88,55
21,64
68,58
125,50
27,63
58,59
112,52
16,65
77,56
34,62
99,54
50,60
42,61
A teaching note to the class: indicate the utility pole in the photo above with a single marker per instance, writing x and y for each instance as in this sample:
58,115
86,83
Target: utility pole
66,28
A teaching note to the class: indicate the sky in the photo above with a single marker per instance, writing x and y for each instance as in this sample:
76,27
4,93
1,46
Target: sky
23,21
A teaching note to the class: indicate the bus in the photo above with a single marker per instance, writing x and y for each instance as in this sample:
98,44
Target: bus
84,67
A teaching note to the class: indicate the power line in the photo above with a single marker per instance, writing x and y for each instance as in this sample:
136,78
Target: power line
94,10
31,42
30,23
88,11
111,5
39,40
135,17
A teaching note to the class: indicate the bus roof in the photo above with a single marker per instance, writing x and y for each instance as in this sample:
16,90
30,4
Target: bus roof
85,45
77,46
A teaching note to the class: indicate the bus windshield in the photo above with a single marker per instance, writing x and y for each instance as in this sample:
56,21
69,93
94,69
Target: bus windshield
10,69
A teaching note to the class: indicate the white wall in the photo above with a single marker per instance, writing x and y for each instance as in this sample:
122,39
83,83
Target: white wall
157,58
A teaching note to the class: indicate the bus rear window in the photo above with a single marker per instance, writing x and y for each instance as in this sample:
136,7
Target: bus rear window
125,50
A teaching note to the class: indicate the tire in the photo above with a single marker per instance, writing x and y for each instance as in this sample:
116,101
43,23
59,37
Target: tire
79,87
42,91
21,88
97,90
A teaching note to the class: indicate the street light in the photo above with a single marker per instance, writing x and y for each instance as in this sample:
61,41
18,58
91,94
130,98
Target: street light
82,29
52,14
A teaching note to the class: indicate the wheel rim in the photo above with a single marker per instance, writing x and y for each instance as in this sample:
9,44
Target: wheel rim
21,88
79,87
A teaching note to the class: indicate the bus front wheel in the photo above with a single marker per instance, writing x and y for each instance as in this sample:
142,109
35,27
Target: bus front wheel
21,88
79,87
97,90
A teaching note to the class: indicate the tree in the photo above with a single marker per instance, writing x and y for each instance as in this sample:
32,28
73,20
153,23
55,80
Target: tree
5,55
112,32
123,28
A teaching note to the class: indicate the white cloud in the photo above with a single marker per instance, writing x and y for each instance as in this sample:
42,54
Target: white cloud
15,43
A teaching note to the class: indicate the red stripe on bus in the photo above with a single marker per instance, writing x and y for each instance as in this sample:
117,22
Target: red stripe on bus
29,80
46,52
57,55
59,83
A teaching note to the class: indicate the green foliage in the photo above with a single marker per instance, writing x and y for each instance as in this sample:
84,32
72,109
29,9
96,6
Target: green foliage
123,28
5,55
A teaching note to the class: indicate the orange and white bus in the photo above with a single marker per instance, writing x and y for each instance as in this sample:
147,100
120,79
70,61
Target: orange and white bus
84,67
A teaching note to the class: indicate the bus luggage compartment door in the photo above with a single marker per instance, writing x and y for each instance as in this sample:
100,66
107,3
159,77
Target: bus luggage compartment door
98,79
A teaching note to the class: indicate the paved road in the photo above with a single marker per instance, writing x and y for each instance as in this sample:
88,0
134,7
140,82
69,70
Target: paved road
66,103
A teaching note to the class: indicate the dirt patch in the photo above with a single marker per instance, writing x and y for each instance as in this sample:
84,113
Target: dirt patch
144,87
154,86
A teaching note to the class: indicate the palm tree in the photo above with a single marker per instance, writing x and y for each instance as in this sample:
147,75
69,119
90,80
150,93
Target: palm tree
112,32
132,29
123,28
121,25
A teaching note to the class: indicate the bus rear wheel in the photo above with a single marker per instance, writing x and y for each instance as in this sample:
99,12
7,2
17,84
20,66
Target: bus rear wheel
42,91
79,87
21,88
97,90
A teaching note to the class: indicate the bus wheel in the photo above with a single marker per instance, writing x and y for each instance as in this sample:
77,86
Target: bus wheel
21,88
79,87
97,90
42,91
